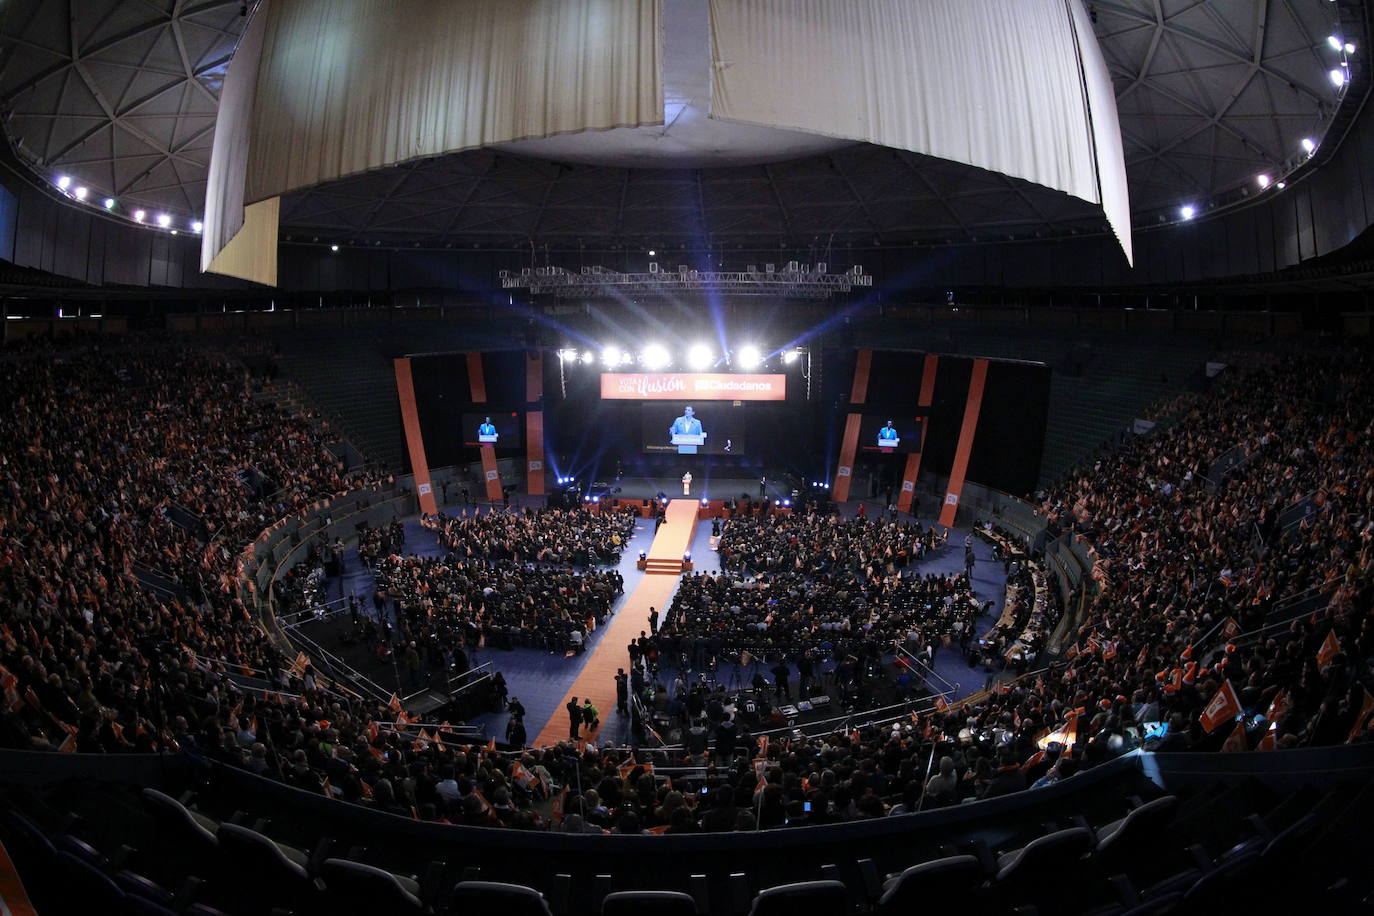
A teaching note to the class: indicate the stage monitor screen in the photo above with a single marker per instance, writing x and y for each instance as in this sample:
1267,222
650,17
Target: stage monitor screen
692,386
497,428
684,429
890,434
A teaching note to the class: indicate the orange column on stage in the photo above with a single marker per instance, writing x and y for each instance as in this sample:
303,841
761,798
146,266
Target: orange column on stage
849,444
534,424
415,442
478,383
965,447
913,461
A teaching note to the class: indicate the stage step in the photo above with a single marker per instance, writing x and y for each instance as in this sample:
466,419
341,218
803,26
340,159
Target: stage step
663,567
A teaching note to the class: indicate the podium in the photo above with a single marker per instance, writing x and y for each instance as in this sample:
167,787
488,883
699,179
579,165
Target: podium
888,443
488,438
689,438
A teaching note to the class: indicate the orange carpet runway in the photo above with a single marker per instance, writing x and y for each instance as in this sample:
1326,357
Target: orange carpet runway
597,678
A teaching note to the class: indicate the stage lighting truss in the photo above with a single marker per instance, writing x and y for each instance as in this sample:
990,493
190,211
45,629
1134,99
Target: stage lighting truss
792,281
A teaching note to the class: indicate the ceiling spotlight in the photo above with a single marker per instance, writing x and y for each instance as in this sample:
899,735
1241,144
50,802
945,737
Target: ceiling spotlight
109,203
791,356
140,215
333,247
587,356
1349,47
164,220
1263,180
1335,42
174,232
63,182
197,225
656,357
652,252
700,356
1308,145
80,193
748,357
568,355
1187,211
611,356
1337,77
1281,185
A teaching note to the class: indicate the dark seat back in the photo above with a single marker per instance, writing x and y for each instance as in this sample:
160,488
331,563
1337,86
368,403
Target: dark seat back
496,897
648,903
804,898
353,887
936,883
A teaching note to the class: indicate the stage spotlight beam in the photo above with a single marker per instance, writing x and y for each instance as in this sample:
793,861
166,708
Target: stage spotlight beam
700,356
656,357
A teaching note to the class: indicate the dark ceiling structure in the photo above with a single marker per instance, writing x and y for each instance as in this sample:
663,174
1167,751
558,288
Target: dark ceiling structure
121,97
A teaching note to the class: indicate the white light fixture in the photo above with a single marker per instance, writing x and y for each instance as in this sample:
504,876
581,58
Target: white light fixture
1349,47
700,356
587,356
611,356
1263,180
1281,185
164,220
652,253
656,357
80,193
333,247
63,182
174,232
791,356
197,226
1187,211
140,215
109,203
568,355
748,357
1308,145
1337,77
1335,42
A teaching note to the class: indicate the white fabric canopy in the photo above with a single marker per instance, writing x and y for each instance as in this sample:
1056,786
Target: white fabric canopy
1013,86
338,87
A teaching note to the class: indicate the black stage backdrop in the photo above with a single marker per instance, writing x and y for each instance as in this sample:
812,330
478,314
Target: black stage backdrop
587,437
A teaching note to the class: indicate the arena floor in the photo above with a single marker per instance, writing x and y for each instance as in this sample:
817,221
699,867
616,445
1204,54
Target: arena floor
542,680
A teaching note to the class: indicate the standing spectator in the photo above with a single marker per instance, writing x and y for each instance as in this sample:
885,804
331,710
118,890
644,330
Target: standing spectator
574,718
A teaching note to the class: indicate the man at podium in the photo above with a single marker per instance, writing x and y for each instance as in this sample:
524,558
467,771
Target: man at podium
888,435
687,481
686,432
486,432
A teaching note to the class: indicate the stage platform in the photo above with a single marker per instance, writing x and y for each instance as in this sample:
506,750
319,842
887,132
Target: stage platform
703,485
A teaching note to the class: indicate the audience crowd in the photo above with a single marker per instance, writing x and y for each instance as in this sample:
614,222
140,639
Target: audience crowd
1254,581
497,603
564,537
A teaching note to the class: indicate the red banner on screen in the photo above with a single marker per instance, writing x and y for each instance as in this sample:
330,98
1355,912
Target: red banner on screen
698,386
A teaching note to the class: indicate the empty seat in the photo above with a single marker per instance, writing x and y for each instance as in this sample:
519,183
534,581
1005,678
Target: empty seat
804,898
1134,834
494,896
1021,873
936,883
183,826
648,903
278,873
353,887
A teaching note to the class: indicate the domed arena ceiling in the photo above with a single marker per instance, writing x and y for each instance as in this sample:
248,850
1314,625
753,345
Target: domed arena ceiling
121,98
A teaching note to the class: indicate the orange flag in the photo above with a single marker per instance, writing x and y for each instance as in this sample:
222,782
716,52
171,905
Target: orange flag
68,746
1230,628
1331,647
1278,707
1366,708
1267,743
1221,708
395,704
1237,740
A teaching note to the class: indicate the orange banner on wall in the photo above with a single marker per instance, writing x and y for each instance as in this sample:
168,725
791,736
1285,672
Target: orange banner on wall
697,386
